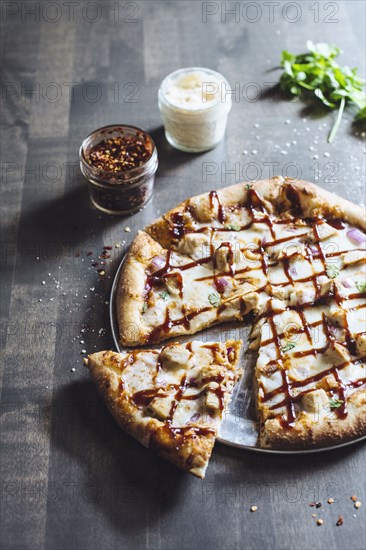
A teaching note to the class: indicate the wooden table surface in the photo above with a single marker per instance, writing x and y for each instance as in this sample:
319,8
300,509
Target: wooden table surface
71,479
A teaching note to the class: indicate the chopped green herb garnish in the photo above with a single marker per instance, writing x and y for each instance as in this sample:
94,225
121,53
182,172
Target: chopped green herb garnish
335,403
233,227
361,285
318,74
214,299
332,271
164,295
288,346
144,308
248,186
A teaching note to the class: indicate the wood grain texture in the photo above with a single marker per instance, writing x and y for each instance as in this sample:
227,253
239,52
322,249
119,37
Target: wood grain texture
70,478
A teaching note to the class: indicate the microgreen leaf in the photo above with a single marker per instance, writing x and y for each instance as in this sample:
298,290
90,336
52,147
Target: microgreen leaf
288,346
164,295
335,403
318,74
233,227
361,285
214,299
332,271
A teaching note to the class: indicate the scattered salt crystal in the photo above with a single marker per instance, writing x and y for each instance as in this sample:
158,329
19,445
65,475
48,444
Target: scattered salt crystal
256,125
73,369
254,152
245,152
43,282
288,121
327,154
128,229
283,152
83,351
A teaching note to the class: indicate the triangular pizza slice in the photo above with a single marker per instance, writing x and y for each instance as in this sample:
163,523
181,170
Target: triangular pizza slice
163,294
173,399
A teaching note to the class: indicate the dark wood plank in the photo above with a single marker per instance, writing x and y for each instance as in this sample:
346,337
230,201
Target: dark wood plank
70,477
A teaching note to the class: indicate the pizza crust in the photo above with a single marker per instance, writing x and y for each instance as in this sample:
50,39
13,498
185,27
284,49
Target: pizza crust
188,445
320,429
287,199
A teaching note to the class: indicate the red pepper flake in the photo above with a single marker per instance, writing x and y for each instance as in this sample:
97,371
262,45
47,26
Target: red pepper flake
77,254
120,153
316,504
90,253
105,256
95,264
107,247
340,521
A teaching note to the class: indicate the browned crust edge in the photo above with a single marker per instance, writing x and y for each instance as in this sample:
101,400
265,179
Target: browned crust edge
310,431
105,370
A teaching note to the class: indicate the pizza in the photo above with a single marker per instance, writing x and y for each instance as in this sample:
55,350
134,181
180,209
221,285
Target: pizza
286,256
170,399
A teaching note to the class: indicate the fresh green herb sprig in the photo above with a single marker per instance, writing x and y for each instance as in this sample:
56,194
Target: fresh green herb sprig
318,74
335,403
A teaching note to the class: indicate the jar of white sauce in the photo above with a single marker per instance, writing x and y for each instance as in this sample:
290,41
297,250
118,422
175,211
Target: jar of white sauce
194,105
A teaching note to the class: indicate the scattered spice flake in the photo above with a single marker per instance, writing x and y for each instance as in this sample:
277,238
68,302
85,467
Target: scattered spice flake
358,504
90,253
354,498
117,245
339,521
330,500
254,508
316,504
104,255
95,264
320,521
313,515
107,247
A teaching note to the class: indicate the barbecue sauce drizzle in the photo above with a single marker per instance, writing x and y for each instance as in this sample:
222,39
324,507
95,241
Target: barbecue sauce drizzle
258,214
143,398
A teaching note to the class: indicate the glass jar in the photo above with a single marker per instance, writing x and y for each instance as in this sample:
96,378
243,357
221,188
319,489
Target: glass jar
124,191
194,104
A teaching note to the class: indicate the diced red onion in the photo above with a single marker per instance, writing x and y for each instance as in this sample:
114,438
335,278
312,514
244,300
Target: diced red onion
221,284
347,283
313,249
356,236
157,263
293,270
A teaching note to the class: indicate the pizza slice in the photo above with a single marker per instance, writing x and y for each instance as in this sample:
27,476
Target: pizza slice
171,400
311,368
162,294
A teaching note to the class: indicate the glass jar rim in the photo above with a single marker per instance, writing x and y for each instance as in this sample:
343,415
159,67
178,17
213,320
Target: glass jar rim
131,173
219,80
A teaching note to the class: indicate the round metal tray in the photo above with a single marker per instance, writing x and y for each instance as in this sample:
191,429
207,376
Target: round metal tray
239,427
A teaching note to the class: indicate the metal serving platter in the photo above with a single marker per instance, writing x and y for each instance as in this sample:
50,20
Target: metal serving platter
239,427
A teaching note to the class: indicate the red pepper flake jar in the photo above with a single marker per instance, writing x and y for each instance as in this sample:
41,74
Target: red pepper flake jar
119,163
